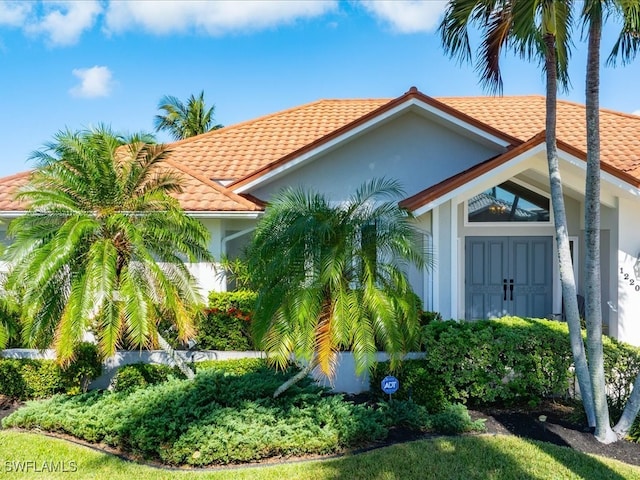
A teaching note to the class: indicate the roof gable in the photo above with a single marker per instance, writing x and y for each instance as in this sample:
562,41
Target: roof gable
443,190
411,99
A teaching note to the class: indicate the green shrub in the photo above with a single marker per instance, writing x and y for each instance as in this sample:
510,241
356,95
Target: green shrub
86,366
138,375
503,361
621,366
494,361
406,413
455,419
239,366
427,317
226,323
240,299
12,383
43,378
416,385
214,419
26,379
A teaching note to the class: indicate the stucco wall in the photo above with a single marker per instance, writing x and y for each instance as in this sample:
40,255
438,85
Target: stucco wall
628,273
412,149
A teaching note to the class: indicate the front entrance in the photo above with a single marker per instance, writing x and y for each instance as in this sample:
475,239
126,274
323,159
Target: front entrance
508,276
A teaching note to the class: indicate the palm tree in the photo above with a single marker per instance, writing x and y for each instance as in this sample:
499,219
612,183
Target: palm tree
103,245
330,277
537,29
9,328
185,120
626,47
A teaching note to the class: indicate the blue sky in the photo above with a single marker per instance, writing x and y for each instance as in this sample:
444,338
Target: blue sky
77,64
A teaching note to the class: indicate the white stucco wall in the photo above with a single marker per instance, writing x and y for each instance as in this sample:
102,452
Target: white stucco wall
210,277
445,253
628,272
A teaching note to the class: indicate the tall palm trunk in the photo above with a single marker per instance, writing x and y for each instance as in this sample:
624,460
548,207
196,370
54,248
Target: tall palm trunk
303,373
631,409
562,235
593,293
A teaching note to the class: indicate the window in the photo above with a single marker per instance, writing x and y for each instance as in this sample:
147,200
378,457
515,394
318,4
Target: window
508,202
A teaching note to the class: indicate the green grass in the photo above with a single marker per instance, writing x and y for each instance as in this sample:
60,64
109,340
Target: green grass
465,458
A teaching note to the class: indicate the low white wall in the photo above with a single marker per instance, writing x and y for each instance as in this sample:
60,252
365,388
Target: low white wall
346,380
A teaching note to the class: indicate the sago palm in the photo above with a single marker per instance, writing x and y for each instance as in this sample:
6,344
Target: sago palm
331,277
103,246
184,120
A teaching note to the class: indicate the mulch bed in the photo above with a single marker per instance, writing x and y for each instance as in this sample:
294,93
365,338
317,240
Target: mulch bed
7,406
559,428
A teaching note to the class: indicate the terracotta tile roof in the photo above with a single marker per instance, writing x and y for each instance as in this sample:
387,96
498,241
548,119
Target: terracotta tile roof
8,186
251,148
199,194
254,147
238,150
203,195
387,106
524,116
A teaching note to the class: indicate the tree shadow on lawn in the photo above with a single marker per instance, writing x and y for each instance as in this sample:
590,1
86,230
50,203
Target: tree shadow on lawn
472,458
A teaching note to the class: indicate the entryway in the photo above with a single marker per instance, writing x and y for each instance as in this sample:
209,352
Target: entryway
508,276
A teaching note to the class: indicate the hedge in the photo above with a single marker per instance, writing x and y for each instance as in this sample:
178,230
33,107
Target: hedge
26,379
503,361
225,325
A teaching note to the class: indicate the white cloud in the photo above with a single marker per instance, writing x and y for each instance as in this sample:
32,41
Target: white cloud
94,82
407,16
212,18
63,22
637,112
14,13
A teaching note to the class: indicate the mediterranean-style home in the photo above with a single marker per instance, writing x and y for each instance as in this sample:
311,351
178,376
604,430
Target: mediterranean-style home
475,174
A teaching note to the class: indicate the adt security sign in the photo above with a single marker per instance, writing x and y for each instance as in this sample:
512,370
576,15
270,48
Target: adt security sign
390,384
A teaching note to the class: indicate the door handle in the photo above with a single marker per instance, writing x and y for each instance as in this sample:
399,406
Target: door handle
511,288
504,288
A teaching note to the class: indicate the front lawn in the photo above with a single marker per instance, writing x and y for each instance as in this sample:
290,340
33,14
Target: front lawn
447,458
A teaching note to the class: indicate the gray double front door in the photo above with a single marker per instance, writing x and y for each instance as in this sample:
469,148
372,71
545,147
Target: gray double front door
508,276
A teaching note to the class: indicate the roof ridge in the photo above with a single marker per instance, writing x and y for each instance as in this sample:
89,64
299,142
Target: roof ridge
631,116
468,97
223,190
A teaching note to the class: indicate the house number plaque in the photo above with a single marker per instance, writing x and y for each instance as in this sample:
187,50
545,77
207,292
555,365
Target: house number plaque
633,279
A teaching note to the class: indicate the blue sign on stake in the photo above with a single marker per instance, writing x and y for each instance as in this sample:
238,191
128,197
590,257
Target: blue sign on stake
390,384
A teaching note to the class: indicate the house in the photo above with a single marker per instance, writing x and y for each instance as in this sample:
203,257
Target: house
475,173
